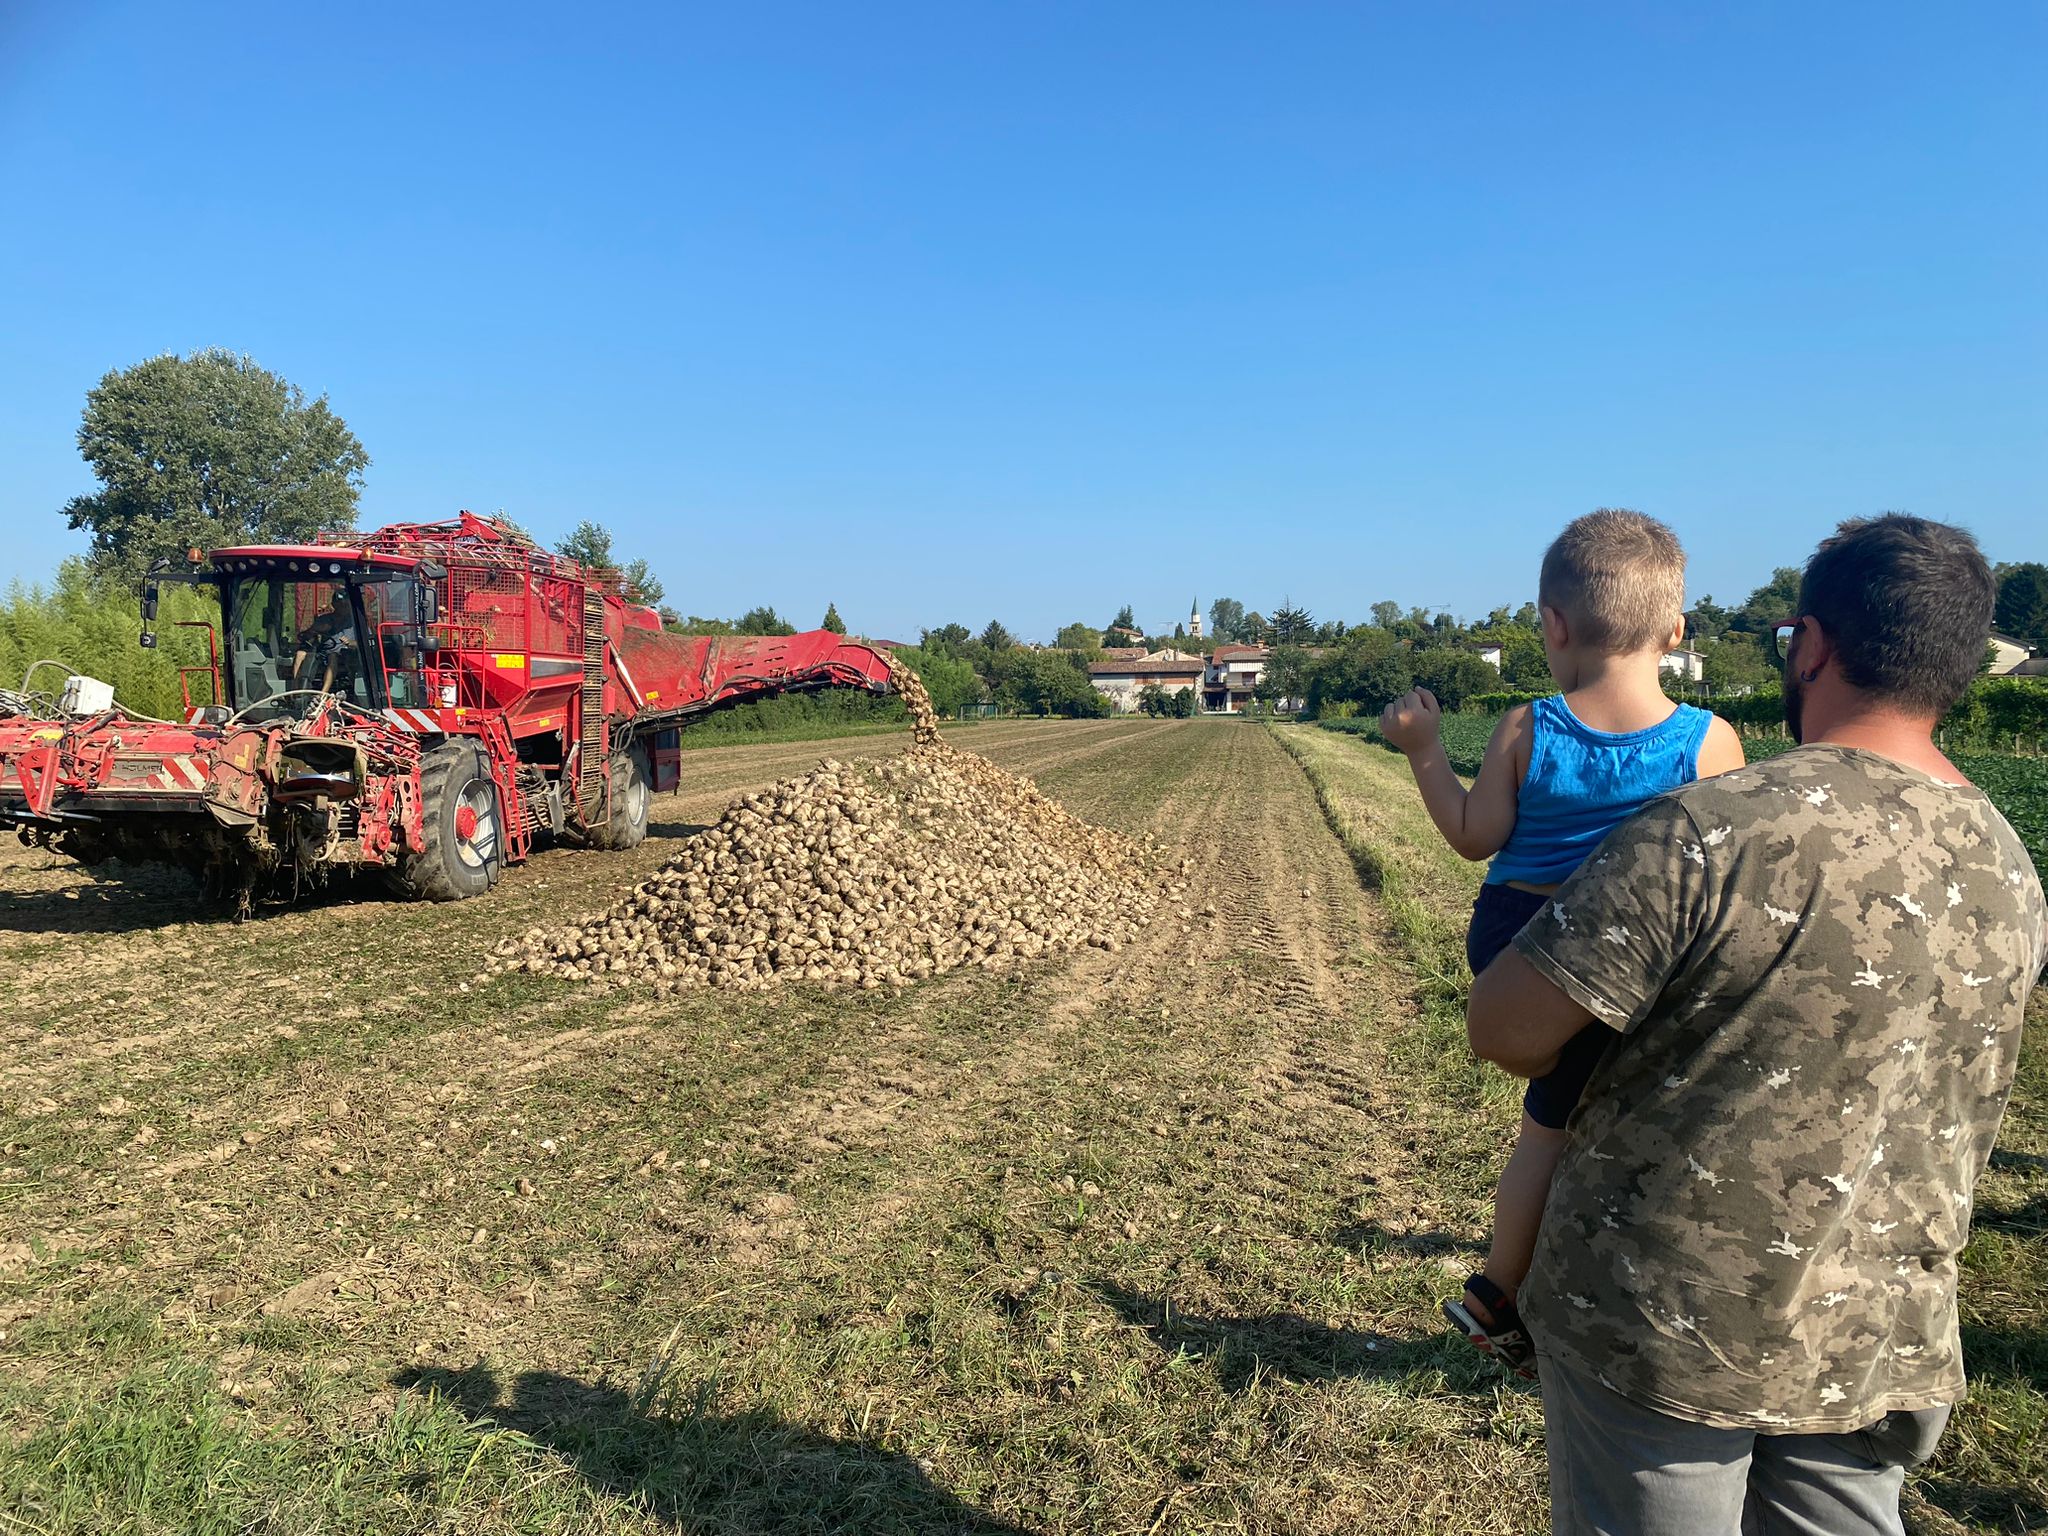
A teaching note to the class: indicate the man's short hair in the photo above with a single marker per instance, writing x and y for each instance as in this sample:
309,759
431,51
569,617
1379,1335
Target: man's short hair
1618,577
1906,604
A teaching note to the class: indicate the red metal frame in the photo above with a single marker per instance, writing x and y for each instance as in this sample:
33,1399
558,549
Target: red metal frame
211,669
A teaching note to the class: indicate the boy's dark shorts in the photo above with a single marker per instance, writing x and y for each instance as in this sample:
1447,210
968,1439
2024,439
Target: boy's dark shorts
1497,916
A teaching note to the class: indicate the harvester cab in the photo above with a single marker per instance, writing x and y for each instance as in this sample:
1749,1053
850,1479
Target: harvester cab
298,630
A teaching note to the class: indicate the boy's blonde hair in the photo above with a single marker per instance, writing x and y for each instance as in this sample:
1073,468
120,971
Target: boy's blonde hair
1618,577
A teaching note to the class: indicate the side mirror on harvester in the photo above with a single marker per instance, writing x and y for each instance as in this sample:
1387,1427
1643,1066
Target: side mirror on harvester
149,596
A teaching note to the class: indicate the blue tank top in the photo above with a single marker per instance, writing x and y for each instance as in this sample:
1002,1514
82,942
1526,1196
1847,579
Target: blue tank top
1583,783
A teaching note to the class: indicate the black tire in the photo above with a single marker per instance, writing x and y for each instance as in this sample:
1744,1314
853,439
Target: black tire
625,825
464,854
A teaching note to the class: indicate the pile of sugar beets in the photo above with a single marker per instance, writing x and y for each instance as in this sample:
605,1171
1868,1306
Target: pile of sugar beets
871,875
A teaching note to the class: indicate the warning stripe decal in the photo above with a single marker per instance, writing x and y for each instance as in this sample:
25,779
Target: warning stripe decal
181,772
414,720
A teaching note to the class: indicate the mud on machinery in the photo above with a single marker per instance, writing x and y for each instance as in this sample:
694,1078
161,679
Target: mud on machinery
424,701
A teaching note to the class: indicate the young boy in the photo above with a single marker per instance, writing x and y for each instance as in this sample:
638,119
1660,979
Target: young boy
1558,776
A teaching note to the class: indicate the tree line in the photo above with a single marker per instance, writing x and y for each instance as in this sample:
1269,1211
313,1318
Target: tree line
211,449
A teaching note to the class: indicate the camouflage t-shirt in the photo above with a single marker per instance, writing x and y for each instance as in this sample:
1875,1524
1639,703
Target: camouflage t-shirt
1817,966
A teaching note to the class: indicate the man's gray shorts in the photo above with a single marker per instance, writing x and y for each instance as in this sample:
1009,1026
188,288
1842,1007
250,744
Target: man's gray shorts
1619,1469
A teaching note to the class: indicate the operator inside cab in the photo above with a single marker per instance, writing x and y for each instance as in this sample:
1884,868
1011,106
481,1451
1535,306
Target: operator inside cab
331,641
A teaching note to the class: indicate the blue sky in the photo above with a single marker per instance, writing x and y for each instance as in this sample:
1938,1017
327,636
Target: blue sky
953,312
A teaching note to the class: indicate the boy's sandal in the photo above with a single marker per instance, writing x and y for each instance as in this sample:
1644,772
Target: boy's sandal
1505,1338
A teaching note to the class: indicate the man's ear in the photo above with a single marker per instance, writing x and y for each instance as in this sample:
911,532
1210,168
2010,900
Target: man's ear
1677,635
1557,630
1816,649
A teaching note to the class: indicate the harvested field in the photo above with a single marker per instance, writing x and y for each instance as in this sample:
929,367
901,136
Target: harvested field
1136,1240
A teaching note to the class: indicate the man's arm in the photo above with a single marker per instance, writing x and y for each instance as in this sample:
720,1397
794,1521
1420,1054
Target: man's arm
1518,1019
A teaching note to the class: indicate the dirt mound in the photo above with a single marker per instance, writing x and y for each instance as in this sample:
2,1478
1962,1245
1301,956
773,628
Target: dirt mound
870,875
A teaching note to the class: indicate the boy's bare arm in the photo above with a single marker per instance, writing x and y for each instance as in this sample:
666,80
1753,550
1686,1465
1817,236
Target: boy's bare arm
1721,752
1475,822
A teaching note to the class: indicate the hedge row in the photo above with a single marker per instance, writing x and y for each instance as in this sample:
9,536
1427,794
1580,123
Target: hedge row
1994,711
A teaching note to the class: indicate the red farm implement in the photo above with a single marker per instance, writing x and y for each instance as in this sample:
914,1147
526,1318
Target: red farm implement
425,701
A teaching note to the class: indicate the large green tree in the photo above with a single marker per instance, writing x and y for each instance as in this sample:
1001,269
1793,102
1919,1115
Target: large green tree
209,450
1290,625
1226,618
1045,682
949,680
1454,675
1285,676
1776,600
2022,610
1522,661
1078,637
1367,670
1707,621
1737,662
832,621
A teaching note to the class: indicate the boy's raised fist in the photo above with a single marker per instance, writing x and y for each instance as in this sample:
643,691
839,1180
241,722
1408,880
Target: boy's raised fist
1412,722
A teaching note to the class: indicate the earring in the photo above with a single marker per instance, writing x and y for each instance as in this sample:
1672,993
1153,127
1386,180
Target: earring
1807,677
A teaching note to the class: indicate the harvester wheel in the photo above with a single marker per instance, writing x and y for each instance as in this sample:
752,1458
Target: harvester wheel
626,826
463,826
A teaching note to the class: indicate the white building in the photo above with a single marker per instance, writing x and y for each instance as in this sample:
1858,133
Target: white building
1195,618
1125,680
1685,662
2012,658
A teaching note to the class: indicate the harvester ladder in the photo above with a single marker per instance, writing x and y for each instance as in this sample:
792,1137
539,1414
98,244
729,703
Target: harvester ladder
592,757
514,812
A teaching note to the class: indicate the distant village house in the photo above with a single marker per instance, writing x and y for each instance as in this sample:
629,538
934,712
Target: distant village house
1124,679
1686,663
2015,658
1235,671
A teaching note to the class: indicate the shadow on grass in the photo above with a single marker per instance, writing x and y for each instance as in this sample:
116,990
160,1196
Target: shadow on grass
676,828
2006,1356
703,1472
1371,1237
110,898
1981,1506
2027,1219
1247,1349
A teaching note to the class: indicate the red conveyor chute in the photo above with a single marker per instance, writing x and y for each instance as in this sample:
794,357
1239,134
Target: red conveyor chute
677,676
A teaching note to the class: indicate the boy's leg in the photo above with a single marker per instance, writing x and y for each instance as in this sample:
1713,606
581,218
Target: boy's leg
1518,1204
1838,1485
1619,1469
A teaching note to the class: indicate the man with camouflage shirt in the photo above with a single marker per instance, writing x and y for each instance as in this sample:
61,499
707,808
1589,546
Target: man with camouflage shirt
1744,1297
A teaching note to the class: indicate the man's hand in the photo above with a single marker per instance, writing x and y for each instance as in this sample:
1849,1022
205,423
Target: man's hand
1413,722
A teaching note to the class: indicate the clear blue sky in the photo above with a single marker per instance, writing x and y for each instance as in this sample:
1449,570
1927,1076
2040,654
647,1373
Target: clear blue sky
960,311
